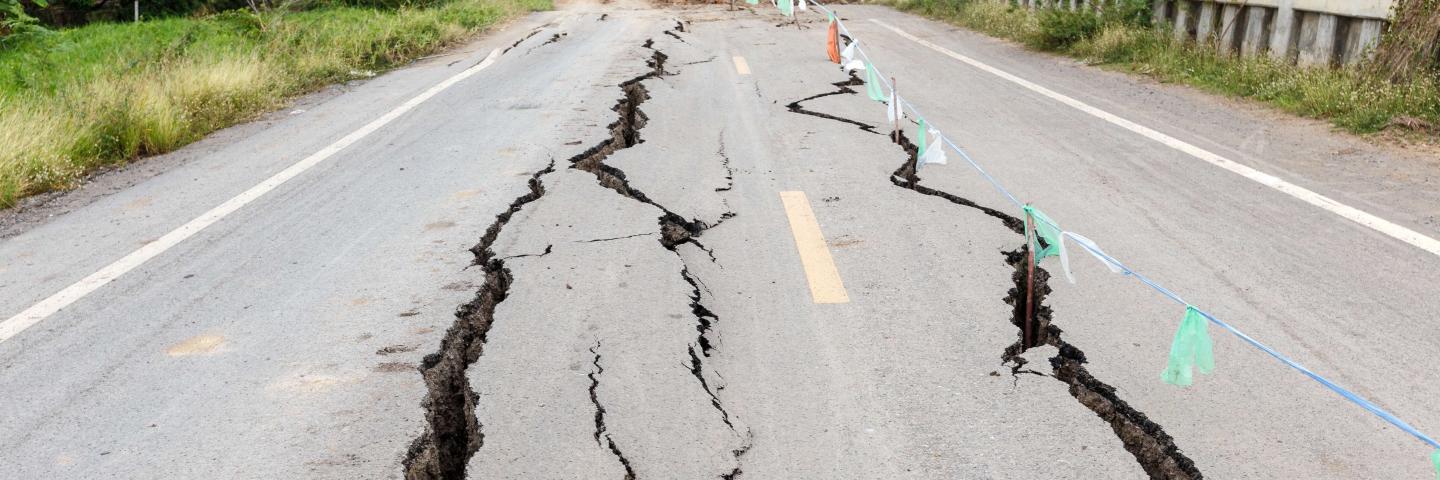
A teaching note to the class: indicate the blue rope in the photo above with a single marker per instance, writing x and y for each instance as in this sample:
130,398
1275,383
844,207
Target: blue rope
1342,391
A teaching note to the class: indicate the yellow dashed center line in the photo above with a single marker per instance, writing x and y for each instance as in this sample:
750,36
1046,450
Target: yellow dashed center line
741,67
825,284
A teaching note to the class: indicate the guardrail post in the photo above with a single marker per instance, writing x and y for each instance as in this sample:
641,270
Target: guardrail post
1205,24
1364,35
1317,39
1282,33
1182,19
1256,38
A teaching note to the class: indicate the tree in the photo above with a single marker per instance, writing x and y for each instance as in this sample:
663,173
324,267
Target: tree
13,17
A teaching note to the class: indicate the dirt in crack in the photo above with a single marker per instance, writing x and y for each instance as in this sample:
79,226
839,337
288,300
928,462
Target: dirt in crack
523,39
553,38
675,230
1153,449
453,433
625,133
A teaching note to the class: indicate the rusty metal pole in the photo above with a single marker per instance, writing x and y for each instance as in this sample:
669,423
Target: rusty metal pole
1029,281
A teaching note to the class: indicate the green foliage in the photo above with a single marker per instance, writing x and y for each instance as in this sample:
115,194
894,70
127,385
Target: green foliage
14,19
1062,28
1134,13
1005,21
78,99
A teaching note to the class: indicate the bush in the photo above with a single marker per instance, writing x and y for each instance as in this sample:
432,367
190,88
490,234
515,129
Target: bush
1133,13
14,18
1059,28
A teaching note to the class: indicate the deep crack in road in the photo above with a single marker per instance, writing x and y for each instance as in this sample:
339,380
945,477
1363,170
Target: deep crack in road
507,260
1153,449
454,433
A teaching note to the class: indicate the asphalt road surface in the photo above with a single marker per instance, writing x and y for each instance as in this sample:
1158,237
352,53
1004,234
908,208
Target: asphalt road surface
615,241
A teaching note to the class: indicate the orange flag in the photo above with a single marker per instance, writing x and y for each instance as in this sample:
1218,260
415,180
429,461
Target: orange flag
833,44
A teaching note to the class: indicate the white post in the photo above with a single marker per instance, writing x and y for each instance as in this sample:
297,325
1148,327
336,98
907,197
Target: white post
1230,33
137,10
1283,30
1182,20
1255,41
1317,39
1205,24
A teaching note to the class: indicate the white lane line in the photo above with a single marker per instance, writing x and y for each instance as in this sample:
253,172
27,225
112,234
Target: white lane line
38,312
1373,222
741,67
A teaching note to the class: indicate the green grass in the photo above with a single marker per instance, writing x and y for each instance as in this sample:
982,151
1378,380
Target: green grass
79,99
1350,99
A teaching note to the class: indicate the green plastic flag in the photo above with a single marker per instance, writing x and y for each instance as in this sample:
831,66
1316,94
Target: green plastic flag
1191,348
787,7
1044,230
872,84
1435,459
753,2
921,142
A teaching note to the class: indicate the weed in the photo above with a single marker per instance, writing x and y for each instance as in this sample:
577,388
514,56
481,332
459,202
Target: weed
1060,28
78,99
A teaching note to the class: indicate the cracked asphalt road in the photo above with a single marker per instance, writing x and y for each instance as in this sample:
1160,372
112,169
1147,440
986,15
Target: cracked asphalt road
576,264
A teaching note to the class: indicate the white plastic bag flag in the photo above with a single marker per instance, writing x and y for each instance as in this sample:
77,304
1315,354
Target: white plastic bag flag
847,56
934,151
853,65
1089,246
802,5
893,111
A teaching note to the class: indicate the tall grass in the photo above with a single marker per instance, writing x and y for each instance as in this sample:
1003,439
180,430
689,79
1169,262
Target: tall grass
79,99
1352,99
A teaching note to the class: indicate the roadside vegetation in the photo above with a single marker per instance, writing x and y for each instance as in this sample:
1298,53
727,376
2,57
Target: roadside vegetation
76,99
1360,100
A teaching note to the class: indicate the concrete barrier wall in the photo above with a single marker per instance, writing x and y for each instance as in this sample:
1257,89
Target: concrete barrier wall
1306,32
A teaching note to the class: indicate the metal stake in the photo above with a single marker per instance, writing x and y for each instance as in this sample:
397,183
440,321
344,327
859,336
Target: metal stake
895,102
1029,281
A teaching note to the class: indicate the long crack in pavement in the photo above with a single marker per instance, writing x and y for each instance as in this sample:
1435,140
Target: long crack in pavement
841,88
1154,450
609,442
675,230
454,434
